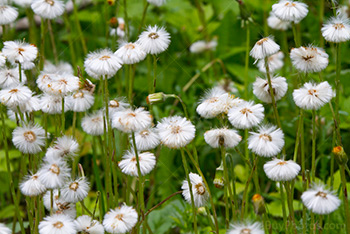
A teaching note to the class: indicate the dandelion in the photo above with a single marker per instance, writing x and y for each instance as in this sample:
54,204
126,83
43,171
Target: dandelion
57,224
62,84
228,101
309,59
336,29
246,228
29,139
48,9
4,229
14,96
53,104
8,14
275,62
320,200
80,101
130,53
267,142
75,191
275,23
128,164
246,115
264,47
208,107
86,224
147,139
292,11
175,132
19,52
154,40
225,137
9,77
130,120
157,2
102,63
120,220
261,88
64,146
200,192
313,96
31,186
45,81
93,124
281,170
53,173
201,46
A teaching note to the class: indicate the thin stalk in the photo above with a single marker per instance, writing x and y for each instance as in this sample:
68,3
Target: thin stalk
283,199
53,43
97,175
226,186
74,123
78,26
144,14
290,205
295,34
63,117
127,28
131,82
246,65
8,167
297,140
155,59
337,86
182,104
303,168
274,105
313,161
345,198
70,39
42,43
85,208
20,72
194,209
245,192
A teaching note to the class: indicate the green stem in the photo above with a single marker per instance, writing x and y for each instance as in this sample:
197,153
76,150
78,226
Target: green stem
78,26
144,14
8,167
290,205
63,117
127,28
194,209
246,66
337,87
131,83
295,34
345,198
155,59
226,186
297,140
313,162
53,43
20,72
283,202
42,43
245,192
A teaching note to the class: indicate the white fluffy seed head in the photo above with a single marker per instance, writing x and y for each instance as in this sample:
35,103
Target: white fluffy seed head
130,53
208,106
264,47
9,77
319,200
336,29
80,101
52,104
267,142
309,59
53,173
246,115
59,205
276,23
147,139
48,9
8,14
13,96
93,124
281,170
130,120
199,191
4,229
275,62
31,186
75,190
262,91
246,228
120,220
86,224
57,224
313,96
292,11
19,52
128,164
102,63
29,139
23,3
225,137
202,46
175,132
154,40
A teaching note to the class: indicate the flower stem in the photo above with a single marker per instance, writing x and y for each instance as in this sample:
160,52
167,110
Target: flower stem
20,72
226,186
245,192
131,82
52,38
63,119
194,209
345,198
155,59
78,26
283,199
246,65
313,162
337,87
144,14
295,34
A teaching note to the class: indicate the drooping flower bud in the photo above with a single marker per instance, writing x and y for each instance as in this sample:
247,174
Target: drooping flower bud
219,180
340,155
259,204
154,98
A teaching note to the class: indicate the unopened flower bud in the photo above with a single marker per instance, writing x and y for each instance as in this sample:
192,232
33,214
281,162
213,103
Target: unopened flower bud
219,180
113,22
154,98
202,211
111,2
259,204
340,155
